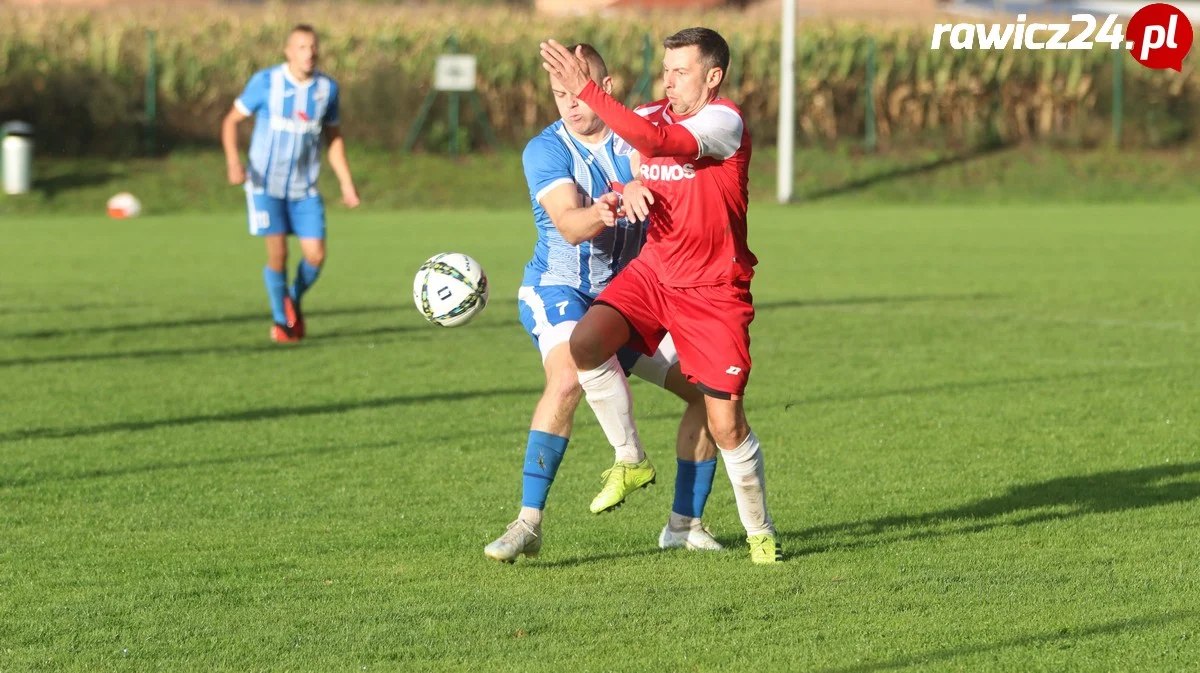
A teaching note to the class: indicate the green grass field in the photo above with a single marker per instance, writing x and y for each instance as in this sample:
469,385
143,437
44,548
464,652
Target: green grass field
980,426
193,181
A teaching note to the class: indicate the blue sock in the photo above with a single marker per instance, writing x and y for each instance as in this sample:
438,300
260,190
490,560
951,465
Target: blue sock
543,453
693,483
276,289
306,276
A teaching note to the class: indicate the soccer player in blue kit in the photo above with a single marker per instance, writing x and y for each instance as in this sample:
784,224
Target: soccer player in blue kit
581,246
292,104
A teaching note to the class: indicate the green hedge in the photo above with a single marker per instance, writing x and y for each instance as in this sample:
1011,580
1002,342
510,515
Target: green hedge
80,76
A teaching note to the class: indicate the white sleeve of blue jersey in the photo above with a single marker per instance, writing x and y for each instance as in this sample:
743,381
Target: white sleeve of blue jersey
254,96
547,165
333,112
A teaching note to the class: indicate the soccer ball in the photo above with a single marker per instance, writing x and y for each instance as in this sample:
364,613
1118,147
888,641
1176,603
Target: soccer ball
450,289
124,205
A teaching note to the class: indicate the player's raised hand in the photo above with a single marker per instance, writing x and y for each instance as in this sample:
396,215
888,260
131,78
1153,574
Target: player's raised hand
638,199
350,195
606,208
236,174
570,69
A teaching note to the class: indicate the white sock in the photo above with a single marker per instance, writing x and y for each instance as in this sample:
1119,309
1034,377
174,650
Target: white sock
607,392
531,516
744,465
679,522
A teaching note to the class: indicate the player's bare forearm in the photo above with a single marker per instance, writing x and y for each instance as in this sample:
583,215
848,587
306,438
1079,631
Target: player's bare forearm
575,222
341,167
229,141
650,141
579,224
338,160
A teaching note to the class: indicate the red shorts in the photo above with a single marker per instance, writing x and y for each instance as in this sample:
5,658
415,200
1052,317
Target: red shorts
710,325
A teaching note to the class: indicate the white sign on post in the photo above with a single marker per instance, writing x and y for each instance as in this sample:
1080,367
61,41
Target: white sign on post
454,72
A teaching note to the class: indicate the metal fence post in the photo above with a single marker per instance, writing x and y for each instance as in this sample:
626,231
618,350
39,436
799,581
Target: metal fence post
1118,103
151,111
871,137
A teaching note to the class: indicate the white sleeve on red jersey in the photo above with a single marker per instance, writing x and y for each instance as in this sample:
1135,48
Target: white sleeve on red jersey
647,109
718,131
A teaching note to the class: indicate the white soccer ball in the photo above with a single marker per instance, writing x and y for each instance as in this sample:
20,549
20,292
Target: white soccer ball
450,289
124,205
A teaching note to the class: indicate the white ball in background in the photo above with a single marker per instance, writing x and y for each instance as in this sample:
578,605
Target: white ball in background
124,205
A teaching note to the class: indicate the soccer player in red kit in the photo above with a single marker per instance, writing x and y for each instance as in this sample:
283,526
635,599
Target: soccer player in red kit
693,275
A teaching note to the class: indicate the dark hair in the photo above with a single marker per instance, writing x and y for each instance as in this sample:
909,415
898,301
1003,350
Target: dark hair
302,28
714,51
595,60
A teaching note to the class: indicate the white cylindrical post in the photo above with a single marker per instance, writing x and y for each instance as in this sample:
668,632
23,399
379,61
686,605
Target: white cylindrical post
18,158
787,103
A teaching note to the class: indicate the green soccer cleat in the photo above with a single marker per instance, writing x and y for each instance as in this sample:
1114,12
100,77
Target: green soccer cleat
765,549
619,481
521,538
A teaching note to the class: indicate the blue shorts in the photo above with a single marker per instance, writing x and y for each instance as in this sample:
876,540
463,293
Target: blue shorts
549,313
304,218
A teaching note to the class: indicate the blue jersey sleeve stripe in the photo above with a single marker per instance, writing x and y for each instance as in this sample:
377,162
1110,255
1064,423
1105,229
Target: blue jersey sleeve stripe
546,190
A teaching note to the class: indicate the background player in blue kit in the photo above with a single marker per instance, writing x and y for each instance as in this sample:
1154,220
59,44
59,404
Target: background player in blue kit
581,246
292,105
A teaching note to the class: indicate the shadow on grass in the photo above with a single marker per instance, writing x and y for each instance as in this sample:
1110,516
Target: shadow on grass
263,317
147,468
882,299
1056,499
575,561
263,414
1060,636
510,308
65,308
150,354
517,449
322,339
864,183
957,386
85,174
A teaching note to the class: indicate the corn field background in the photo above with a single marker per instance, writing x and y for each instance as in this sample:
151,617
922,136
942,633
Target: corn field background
80,76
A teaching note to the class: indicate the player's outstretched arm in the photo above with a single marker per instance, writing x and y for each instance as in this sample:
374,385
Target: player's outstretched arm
576,222
229,140
651,141
341,166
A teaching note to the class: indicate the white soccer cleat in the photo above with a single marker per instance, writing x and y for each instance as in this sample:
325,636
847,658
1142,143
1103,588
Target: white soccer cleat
521,538
692,539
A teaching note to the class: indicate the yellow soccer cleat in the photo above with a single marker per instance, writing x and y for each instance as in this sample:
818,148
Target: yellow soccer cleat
619,481
765,549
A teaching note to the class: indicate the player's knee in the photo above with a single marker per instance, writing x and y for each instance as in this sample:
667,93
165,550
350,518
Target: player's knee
586,350
315,257
728,433
726,438
566,389
277,259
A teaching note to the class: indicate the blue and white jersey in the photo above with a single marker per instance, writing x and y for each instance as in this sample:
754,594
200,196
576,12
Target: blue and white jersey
285,150
556,158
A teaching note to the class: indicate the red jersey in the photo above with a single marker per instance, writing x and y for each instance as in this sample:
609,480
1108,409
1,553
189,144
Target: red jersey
697,233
